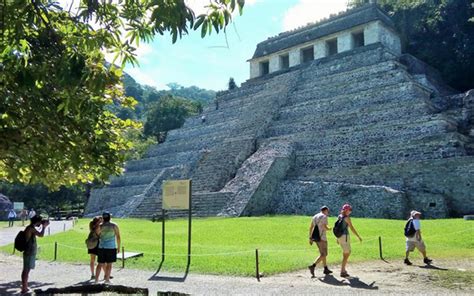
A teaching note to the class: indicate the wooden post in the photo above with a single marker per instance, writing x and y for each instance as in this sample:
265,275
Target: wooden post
49,231
380,247
123,257
55,250
64,226
257,272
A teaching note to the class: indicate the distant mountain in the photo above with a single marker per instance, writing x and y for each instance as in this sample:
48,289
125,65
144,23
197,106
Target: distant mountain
147,95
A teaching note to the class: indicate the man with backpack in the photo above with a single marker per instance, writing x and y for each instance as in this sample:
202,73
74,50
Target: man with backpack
317,233
27,244
413,238
341,231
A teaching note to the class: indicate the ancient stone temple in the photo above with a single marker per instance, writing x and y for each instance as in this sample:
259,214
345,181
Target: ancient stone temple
332,113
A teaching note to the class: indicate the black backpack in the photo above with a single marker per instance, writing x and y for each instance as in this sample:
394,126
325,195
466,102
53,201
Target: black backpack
316,236
20,241
410,228
339,228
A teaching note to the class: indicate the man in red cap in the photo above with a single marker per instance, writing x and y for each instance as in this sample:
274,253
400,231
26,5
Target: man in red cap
344,240
413,235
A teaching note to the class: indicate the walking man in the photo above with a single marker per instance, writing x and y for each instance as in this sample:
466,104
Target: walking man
344,240
317,234
11,217
23,216
109,246
29,255
413,237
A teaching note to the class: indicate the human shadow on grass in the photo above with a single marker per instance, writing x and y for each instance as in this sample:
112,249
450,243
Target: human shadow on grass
353,282
13,288
431,266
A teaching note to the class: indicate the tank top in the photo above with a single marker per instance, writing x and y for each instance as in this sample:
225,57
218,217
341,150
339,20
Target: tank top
107,236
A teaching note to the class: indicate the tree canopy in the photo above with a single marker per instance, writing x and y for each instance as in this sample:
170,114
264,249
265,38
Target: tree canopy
167,114
440,32
57,94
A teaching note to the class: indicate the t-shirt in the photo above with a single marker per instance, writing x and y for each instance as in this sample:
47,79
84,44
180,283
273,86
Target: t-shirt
417,226
320,220
107,236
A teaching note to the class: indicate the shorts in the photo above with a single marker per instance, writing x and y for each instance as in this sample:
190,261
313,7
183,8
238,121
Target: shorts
107,255
345,243
323,247
419,244
94,251
29,261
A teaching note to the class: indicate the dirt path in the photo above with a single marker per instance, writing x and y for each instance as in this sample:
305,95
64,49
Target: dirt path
7,234
372,278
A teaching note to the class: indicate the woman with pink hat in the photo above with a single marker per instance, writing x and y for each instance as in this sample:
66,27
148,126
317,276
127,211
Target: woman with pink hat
344,240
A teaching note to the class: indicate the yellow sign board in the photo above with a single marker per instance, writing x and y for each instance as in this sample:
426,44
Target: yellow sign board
176,194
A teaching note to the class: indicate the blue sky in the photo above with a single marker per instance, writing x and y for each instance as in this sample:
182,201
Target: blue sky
208,63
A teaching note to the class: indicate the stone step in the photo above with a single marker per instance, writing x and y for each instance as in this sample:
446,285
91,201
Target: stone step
362,83
154,159
329,128
203,205
353,75
135,178
397,92
379,155
397,175
360,57
364,116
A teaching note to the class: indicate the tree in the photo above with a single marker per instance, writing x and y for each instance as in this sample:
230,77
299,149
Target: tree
167,114
231,84
56,90
437,32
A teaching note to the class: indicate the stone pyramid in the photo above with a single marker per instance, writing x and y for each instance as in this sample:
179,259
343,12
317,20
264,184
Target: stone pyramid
366,125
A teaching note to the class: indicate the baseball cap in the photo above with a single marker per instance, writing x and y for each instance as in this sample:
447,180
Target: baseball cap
106,214
346,207
324,208
414,213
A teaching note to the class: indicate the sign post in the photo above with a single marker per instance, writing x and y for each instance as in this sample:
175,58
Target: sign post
176,196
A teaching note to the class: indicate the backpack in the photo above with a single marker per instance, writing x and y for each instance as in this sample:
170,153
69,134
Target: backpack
339,228
316,236
410,228
20,241
92,240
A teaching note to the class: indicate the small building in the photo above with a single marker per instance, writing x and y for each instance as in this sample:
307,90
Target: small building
350,29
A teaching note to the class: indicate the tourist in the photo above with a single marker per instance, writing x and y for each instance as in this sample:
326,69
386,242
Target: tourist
29,255
31,213
109,246
93,242
23,216
317,233
414,239
11,217
344,240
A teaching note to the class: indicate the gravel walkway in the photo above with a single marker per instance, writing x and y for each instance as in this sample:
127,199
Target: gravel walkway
373,278
7,234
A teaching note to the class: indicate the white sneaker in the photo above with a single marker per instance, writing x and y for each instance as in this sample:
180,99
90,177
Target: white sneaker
108,282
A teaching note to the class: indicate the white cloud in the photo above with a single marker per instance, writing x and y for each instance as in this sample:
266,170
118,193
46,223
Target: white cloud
145,78
307,11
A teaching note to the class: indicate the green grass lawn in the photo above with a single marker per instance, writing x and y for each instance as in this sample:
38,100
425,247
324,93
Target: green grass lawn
227,245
